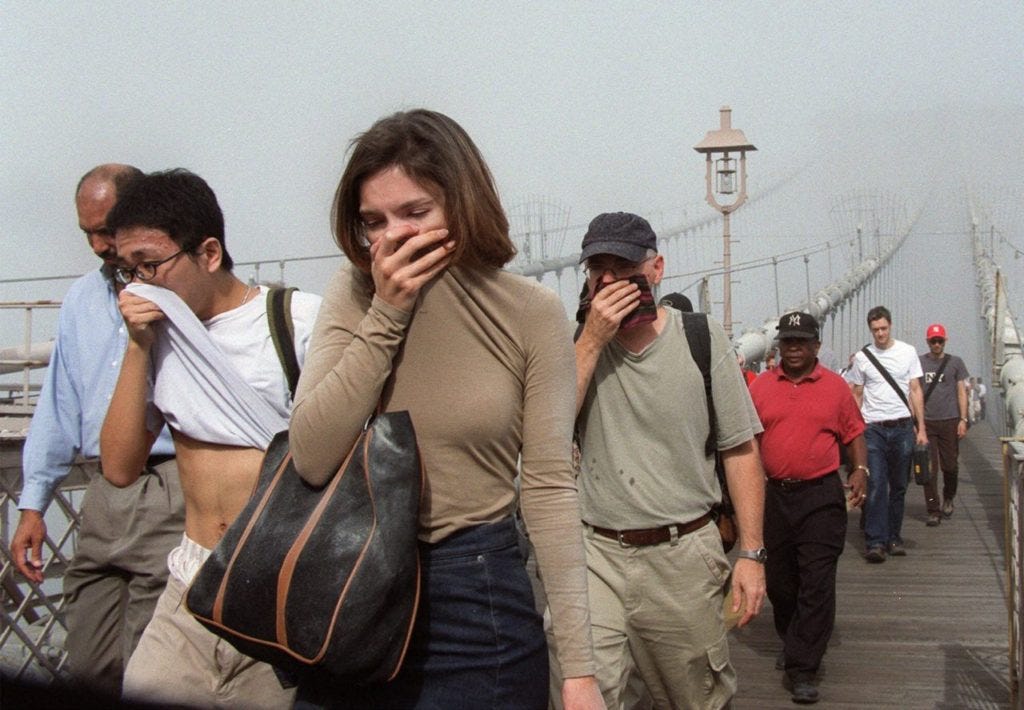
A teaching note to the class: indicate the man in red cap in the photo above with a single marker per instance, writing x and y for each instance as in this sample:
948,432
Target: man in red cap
945,420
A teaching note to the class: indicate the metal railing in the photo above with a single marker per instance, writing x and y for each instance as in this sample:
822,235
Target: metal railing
1007,359
29,355
32,627
1013,496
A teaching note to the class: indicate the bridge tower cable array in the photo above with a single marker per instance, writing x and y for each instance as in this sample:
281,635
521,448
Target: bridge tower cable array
841,306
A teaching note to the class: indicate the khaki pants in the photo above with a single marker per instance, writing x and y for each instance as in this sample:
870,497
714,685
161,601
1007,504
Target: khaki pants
660,607
179,662
119,570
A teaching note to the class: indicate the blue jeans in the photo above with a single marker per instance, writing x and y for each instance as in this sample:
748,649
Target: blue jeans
478,640
889,453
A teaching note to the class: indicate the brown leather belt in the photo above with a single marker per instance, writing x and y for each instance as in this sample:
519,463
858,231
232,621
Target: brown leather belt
653,536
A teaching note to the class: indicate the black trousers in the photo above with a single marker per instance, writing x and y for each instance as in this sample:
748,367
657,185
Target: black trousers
804,532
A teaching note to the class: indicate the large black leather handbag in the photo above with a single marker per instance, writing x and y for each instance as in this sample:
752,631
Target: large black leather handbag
323,577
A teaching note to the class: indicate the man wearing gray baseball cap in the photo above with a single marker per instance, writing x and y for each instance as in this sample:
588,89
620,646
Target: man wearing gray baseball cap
627,236
656,568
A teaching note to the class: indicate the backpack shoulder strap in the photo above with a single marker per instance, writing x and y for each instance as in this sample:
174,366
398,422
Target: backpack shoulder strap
282,332
698,337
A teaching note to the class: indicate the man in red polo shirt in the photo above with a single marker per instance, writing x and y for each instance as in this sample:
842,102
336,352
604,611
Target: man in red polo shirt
806,411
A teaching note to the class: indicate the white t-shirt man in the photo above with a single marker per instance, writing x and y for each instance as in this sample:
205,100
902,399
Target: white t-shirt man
880,402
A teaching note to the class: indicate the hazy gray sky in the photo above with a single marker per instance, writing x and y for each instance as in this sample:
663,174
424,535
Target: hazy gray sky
594,106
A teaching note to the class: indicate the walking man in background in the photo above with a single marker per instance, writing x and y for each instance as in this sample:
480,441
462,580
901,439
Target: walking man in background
120,566
807,412
886,382
656,568
945,419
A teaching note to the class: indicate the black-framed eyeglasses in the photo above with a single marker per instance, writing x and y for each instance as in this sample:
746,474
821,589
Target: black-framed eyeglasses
620,268
934,341
144,271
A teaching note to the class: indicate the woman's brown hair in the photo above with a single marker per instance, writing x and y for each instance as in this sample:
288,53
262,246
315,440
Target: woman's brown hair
436,152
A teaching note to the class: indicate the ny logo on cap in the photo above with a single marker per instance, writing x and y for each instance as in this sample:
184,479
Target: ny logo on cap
794,319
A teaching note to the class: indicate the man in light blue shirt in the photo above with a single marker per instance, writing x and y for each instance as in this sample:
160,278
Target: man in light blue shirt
120,565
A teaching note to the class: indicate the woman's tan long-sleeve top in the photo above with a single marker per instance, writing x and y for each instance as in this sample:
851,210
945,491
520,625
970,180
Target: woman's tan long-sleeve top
485,367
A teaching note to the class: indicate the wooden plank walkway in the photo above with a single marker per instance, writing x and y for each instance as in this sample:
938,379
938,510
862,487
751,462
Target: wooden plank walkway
928,630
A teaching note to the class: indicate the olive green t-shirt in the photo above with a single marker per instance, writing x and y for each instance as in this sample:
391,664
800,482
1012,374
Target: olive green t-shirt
643,426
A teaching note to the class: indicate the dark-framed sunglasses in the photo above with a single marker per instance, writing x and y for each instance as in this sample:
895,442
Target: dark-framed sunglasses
933,341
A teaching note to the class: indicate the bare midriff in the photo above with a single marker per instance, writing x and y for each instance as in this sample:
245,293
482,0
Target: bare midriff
216,481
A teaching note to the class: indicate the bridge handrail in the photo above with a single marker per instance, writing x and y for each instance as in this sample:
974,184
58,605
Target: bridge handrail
32,627
29,355
1004,335
1013,530
1008,375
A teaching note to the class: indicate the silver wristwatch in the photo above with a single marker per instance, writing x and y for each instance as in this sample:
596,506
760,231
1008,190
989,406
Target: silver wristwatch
758,555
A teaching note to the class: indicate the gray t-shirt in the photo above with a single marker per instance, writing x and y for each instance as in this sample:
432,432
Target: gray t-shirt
942,402
643,425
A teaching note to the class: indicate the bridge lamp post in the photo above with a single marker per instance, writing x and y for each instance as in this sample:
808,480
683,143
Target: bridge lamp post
718,147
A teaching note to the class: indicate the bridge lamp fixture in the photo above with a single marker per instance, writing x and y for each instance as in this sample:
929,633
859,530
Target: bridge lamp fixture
719,148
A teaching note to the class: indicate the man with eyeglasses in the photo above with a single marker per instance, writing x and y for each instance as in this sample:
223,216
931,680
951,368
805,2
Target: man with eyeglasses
120,564
945,420
656,568
202,359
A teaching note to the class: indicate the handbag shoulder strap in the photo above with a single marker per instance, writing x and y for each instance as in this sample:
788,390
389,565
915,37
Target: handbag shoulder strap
282,332
931,385
887,376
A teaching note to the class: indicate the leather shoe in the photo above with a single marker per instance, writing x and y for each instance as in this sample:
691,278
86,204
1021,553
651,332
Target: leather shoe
896,549
947,508
875,554
804,692
933,520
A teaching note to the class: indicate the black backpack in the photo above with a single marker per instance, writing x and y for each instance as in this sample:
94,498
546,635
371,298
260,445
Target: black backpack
698,337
